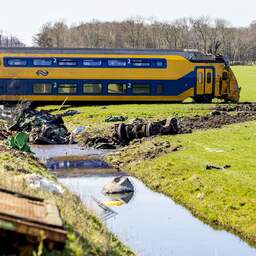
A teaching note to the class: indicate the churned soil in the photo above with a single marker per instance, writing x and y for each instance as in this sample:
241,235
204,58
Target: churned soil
221,115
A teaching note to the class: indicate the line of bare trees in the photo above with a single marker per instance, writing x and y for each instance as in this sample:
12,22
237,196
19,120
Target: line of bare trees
10,41
203,34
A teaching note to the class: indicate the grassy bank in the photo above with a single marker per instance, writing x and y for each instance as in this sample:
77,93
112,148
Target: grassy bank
220,197
86,234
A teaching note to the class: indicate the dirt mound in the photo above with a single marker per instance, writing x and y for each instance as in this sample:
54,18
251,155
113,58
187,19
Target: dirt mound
243,107
216,119
123,134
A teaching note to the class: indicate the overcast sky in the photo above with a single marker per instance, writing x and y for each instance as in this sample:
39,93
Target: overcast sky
23,18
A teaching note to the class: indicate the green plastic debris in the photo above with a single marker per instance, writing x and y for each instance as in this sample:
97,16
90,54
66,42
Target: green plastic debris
20,142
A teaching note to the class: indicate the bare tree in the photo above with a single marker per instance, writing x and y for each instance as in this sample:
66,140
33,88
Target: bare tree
204,34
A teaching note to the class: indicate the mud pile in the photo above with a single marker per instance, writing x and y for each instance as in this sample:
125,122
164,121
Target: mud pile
221,115
123,134
243,107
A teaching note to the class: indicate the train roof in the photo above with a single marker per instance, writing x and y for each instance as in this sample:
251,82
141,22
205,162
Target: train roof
188,54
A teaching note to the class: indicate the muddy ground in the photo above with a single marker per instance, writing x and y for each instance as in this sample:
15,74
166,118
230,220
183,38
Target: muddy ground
123,134
220,115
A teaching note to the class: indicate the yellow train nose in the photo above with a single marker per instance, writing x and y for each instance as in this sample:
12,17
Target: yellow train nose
234,89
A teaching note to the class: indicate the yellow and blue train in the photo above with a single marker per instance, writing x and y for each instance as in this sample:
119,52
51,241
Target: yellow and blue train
36,74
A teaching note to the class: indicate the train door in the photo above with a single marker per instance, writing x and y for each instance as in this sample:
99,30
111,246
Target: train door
200,81
205,81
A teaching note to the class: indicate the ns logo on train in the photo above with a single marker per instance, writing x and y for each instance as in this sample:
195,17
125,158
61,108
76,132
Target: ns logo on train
42,72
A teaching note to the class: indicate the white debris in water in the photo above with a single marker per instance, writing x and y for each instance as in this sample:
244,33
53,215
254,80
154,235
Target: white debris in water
119,185
36,181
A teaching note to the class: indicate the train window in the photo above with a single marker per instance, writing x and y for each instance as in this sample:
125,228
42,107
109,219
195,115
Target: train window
67,63
117,63
200,77
92,63
160,63
42,62
116,88
141,89
159,89
92,88
209,78
42,88
17,62
141,63
67,88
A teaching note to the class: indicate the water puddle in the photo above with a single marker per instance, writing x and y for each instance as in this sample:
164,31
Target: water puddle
44,152
149,223
72,161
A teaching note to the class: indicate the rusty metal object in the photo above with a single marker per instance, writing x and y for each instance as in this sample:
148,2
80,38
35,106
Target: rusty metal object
26,219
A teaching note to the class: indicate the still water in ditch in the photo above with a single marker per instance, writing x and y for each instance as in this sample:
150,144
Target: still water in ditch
149,223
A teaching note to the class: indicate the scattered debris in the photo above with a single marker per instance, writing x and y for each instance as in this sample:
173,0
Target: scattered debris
43,127
78,130
108,212
26,221
19,142
36,181
118,186
211,167
123,134
115,118
71,112
4,134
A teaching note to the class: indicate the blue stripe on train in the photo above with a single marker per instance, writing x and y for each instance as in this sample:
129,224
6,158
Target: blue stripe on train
25,86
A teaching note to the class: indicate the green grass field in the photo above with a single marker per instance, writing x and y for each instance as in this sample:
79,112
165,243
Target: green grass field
220,197
246,76
223,197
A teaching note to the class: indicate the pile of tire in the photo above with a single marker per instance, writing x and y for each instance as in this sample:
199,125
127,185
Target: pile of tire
125,133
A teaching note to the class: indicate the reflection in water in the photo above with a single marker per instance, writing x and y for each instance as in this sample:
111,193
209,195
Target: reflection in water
44,152
150,223
153,225
53,164
119,199
72,160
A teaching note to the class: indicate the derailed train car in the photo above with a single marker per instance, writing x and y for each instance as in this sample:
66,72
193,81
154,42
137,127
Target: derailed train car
99,75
